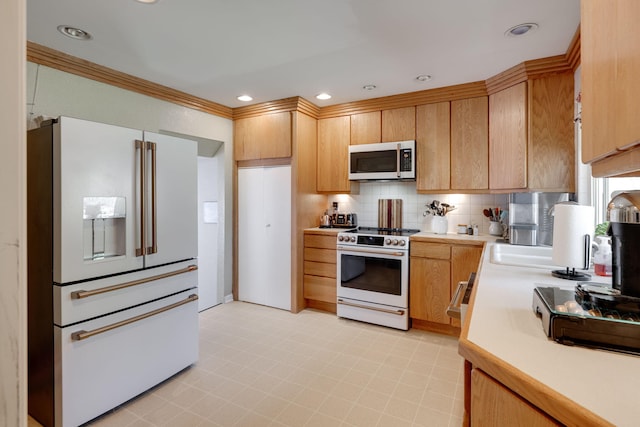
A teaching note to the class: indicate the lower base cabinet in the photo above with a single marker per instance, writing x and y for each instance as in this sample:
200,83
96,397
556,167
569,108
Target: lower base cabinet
319,283
493,404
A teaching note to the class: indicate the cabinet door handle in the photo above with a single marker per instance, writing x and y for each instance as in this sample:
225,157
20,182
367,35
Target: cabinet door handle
453,310
84,294
83,335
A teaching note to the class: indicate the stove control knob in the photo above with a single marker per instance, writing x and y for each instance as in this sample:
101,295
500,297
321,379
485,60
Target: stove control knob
387,242
340,238
402,243
353,238
395,242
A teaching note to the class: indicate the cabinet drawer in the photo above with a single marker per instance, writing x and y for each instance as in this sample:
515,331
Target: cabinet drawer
320,255
319,241
320,269
431,250
320,288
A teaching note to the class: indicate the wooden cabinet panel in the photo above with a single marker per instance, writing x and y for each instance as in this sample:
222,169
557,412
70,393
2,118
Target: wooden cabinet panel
320,269
333,154
470,144
320,289
399,124
366,128
429,289
430,250
320,255
508,138
433,146
464,261
263,137
492,404
610,65
320,241
551,151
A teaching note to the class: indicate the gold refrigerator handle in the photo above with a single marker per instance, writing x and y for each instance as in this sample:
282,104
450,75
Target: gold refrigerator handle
82,335
84,294
154,230
142,145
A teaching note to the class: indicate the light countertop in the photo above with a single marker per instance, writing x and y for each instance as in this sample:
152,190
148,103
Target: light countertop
503,324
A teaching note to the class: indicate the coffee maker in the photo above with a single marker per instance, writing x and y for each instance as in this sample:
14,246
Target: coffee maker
623,213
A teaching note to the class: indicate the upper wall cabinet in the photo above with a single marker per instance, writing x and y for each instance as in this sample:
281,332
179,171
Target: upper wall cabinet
263,137
433,147
508,138
333,154
470,144
399,124
366,128
531,136
610,58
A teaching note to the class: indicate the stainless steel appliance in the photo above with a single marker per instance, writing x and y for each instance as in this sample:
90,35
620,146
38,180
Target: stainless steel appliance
383,161
345,220
112,246
530,220
373,276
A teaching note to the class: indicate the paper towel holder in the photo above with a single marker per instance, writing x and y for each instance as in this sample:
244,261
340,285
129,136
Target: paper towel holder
570,273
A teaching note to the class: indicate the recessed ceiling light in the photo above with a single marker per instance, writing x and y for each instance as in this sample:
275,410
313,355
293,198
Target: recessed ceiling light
147,1
423,78
245,98
323,96
369,87
74,33
521,29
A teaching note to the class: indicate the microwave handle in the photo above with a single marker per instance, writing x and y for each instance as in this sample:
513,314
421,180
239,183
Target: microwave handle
398,160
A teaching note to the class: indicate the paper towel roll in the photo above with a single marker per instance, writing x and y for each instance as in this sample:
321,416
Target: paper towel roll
571,222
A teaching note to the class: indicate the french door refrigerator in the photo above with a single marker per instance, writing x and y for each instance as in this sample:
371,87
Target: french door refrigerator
112,247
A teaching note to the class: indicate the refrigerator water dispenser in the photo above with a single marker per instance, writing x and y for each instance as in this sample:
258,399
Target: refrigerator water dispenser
104,227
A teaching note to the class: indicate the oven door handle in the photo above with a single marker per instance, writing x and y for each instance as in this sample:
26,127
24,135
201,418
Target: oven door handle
360,251
383,310
453,310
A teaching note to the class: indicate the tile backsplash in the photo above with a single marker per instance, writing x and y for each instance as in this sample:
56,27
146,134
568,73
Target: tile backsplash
468,206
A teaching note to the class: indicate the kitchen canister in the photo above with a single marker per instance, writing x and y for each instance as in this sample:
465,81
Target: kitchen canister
572,236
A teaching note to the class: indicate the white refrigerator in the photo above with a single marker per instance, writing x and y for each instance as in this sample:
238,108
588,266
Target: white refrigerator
112,264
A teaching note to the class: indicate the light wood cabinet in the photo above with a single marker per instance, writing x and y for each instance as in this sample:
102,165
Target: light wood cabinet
508,138
366,128
399,124
610,64
319,285
263,137
433,147
435,270
531,144
493,404
470,144
333,154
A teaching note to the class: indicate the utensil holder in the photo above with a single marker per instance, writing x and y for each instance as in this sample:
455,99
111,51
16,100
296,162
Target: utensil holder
439,224
495,228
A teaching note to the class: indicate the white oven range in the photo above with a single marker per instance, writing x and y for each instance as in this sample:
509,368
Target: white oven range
373,276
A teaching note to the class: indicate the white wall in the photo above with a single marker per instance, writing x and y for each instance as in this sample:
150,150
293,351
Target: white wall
53,93
13,288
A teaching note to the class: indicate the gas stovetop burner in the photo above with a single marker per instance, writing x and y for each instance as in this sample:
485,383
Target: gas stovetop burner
385,231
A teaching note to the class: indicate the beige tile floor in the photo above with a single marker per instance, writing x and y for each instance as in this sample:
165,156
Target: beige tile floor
261,366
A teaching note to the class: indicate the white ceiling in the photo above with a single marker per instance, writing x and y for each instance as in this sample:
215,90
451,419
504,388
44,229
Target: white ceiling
274,49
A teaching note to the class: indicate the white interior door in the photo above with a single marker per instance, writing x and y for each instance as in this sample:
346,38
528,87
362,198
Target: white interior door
176,212
209,209
264,236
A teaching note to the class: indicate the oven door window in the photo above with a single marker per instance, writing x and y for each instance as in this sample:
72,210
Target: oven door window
381,275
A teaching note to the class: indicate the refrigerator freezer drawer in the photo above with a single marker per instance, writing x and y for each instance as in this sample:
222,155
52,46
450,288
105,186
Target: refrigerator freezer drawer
102,363
91,299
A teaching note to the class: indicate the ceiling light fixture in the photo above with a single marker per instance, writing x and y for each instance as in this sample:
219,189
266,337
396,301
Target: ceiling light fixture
245,98
369,87
323,96
147,1
521,29
423,78
74,33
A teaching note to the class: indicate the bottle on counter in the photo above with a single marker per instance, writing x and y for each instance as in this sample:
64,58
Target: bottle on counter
476,230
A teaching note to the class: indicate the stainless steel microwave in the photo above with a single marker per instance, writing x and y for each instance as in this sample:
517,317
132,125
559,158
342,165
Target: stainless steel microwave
383,161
